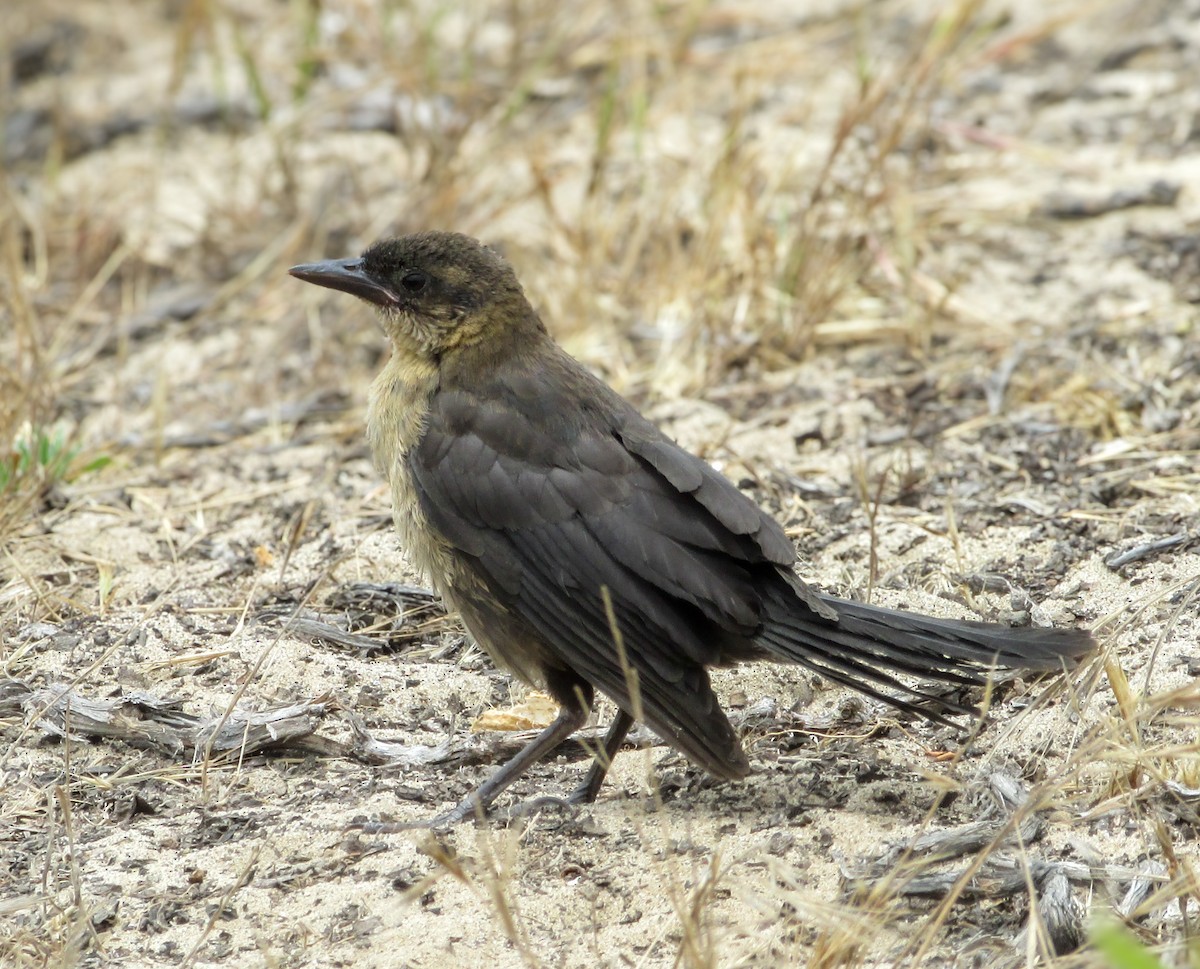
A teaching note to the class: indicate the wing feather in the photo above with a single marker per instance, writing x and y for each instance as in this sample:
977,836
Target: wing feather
546,512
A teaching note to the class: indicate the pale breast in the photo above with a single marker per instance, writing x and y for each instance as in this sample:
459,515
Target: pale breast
396,416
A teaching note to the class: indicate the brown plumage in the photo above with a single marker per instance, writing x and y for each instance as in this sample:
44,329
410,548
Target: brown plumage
536,498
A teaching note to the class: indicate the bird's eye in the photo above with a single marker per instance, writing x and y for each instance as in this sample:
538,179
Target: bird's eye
414,281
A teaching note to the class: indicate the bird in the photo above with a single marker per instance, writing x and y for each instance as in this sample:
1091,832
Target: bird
586,551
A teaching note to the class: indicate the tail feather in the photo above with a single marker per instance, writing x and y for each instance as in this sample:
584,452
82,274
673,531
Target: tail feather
860,675
984,644
865,646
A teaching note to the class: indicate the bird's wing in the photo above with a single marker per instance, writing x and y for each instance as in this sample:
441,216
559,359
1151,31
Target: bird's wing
549,503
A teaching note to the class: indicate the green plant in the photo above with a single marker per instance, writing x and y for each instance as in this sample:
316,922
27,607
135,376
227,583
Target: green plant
45,456
1121,949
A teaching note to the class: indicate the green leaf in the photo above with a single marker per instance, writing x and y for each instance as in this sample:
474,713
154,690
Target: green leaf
1122,949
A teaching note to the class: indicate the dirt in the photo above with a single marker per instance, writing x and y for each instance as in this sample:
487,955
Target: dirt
1006,398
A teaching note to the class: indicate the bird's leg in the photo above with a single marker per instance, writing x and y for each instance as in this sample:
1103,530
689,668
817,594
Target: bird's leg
570,718
586,792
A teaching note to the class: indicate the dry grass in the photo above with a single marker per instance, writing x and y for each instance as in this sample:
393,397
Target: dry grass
824,220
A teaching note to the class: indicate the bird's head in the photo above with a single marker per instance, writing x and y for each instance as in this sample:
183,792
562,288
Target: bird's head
436,292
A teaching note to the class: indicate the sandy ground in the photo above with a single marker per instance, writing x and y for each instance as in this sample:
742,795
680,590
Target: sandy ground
1000,394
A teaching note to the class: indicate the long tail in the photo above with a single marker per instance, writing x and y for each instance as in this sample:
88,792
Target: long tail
867,645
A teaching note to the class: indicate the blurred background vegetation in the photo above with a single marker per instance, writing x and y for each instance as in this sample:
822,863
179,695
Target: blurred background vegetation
691,192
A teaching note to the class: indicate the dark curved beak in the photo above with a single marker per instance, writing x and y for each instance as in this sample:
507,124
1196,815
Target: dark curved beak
349,276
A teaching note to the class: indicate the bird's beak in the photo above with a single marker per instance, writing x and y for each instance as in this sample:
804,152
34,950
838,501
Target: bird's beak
349,276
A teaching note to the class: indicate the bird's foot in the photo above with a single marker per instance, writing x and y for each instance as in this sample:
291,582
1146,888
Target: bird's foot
391,827
465,810
585,793
537,805
469,809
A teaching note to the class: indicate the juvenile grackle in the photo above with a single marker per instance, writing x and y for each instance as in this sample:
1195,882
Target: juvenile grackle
587,551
